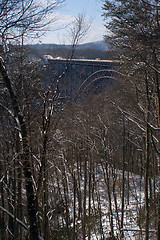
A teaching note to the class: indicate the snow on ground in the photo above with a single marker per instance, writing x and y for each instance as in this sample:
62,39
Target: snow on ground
133,202
101,209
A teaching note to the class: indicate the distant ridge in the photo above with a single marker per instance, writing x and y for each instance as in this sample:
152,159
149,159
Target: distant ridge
98,45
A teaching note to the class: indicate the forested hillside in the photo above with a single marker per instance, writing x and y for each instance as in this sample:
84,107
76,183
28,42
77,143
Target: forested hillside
97,50
87,169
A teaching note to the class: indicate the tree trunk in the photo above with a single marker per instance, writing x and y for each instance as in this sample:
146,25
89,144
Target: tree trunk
147,157
31,206
123,179
2,218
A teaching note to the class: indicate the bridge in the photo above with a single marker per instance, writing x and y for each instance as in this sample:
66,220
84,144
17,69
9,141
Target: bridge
80,77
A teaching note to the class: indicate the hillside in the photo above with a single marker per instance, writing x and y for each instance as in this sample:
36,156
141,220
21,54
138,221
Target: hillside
90,50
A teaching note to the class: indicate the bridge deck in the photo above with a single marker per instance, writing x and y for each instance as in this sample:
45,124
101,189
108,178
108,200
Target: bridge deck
88,62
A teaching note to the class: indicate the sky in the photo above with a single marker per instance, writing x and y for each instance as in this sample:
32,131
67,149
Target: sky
67,12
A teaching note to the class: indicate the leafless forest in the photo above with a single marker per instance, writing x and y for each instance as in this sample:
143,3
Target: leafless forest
86,170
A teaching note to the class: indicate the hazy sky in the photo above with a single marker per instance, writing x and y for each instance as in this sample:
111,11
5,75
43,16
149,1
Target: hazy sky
67,12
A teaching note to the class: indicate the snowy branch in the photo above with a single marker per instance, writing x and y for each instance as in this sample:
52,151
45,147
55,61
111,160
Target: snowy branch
139,230
17,220
151,126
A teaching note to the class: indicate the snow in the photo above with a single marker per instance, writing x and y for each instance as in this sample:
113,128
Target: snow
133,202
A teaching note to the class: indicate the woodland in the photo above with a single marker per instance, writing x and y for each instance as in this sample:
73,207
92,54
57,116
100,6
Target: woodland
87,170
